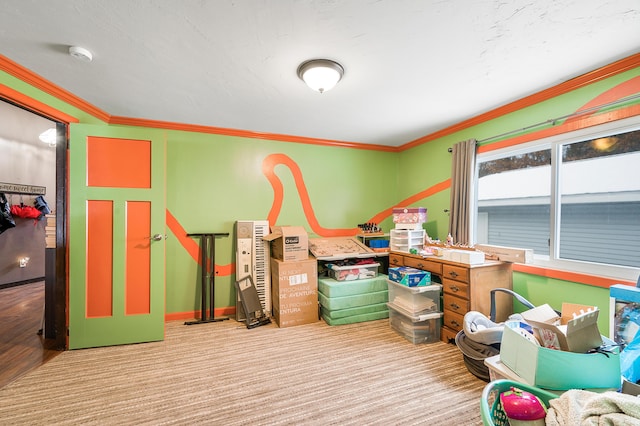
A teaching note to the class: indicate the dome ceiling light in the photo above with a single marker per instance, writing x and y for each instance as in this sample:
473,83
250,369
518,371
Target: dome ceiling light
320,74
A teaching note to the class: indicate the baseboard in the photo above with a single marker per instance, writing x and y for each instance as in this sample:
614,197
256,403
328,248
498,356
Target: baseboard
18,283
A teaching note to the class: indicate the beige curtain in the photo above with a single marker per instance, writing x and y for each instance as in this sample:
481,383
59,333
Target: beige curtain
462,173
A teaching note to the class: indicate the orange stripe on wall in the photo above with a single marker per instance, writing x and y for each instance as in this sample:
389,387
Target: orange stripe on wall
568,126
99,284
138,258
607,71
621,91
268,167
446,184
175,316
569,276
192,246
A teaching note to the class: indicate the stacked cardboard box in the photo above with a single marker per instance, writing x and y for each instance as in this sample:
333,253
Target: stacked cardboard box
347,302
294,277
50,231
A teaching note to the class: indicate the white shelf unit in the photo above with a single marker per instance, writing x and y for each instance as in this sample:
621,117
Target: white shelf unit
405,239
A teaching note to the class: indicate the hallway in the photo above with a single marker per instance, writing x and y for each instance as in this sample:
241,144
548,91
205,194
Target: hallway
22,349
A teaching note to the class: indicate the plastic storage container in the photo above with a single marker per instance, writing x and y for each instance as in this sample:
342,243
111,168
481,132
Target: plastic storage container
416,329
409,215
414,301
353,272
491,408
404,239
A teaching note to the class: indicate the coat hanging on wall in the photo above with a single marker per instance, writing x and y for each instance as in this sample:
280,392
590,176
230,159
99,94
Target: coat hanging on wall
6,219
41,205
26,212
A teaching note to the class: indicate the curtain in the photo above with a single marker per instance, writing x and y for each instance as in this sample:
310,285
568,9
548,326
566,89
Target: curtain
462,175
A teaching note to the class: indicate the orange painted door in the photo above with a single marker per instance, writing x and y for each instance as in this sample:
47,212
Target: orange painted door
116,235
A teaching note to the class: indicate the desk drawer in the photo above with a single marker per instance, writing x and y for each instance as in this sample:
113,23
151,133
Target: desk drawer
457,273
423,264
455,304
453,320
456,288
396,260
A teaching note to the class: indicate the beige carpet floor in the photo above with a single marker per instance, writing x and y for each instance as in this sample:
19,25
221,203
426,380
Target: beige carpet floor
224,374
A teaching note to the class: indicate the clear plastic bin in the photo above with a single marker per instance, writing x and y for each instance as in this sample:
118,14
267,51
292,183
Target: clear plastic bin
426,329
414,301
354,272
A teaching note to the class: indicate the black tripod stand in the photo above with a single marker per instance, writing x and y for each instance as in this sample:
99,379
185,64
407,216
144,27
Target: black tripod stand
208,276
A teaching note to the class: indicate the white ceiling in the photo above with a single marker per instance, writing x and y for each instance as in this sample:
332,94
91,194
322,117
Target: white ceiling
412,67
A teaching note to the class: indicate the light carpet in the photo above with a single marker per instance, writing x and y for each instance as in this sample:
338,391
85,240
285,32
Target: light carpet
225,374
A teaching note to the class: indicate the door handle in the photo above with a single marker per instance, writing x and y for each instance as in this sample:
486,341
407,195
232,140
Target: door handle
158,237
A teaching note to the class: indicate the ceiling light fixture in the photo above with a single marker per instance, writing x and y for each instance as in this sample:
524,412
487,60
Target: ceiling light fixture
48,136
80,53
320,74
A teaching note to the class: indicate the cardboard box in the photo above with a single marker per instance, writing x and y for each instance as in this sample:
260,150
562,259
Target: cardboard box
575,331
468,257
294,291
288,243
338,248
411,277
558,370
507,254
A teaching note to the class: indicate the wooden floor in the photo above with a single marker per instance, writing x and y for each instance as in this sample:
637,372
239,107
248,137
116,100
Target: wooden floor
21,347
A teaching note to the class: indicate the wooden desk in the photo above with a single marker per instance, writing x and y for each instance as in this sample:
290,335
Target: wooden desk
465,287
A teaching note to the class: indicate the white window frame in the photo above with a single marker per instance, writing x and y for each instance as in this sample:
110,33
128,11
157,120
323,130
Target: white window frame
555,143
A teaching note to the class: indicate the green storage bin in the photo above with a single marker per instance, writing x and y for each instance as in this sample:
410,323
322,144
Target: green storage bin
560,370
345,302
333,288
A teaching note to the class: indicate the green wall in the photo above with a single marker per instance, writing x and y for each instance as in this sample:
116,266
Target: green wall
429,163
214,180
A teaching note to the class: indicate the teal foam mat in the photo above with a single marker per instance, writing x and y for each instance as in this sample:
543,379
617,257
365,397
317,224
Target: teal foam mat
356,318
332,288
341,313
345,302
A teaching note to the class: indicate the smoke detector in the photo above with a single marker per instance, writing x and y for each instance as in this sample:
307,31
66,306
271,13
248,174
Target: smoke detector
80,53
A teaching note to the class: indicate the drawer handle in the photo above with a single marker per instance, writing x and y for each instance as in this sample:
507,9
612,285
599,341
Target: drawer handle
454,288
454,306
453,274
395,261
455,323
420,265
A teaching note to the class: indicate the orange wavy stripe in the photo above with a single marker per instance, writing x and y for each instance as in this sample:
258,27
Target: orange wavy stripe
411,200
268,168
600,74
192,247
581,121
622,90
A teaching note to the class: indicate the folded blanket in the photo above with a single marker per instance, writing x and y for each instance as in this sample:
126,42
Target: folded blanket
580,407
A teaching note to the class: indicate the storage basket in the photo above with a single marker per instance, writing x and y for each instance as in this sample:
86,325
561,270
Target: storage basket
490,407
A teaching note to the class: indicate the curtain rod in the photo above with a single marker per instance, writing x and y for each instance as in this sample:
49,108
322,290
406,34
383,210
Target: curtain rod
553,120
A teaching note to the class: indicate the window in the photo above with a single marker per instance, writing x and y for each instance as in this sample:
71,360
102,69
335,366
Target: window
574,199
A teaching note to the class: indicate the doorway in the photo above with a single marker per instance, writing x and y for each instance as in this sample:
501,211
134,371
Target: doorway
32,254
